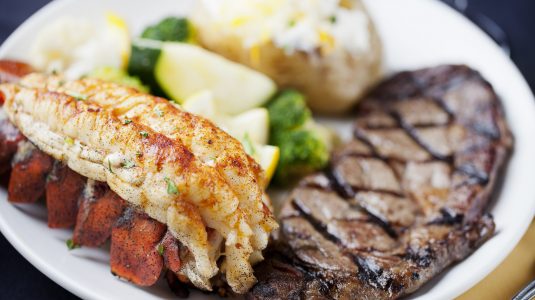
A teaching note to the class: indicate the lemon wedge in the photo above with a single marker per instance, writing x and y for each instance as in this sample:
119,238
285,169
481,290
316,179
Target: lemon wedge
267,157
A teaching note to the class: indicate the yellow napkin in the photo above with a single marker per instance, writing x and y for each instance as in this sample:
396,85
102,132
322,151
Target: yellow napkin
511,276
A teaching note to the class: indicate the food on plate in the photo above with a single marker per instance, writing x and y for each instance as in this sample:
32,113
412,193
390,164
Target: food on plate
182,70
178,186
403,200
177,172
145,54
119,76
304,144
250,127
76,46
171,29
329,50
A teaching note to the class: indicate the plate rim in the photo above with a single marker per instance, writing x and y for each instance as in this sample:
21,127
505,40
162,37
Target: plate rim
86,293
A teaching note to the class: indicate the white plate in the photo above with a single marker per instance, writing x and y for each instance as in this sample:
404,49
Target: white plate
416,33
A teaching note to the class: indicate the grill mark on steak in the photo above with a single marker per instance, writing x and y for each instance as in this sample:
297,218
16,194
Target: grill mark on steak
383,220
411,131
321,228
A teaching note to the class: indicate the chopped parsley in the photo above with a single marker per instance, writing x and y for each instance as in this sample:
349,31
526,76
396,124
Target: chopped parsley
248,144
144,134
71,245
171,187
291,23
109,166
128,164
158,112
332,19
161,249
127,121
77,96
69,141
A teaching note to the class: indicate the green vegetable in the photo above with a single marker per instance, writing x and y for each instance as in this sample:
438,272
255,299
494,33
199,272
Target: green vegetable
144,134
143,58
69,141
78,97
146,50
288,110
118,76
160,249
304,145
184,70
171,187
71,245
170,29
109,167
128,164
301,152
158,112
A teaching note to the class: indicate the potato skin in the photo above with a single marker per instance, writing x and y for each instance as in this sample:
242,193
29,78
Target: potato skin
333,82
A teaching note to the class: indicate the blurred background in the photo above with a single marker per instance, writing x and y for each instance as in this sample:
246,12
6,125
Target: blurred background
509,22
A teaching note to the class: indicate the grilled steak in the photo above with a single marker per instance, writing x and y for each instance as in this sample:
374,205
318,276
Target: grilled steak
400,202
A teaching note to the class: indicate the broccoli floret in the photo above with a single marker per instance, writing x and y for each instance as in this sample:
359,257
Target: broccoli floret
118,76
288,110
304,145
301,152
171,29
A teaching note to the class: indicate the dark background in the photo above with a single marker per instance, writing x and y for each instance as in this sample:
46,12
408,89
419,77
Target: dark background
20,280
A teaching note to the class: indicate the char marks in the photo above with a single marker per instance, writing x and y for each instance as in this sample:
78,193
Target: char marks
401,201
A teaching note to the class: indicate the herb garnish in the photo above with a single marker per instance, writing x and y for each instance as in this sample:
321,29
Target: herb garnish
248,144
78,97
127,121
109,167
71,245
160,249
332,19
69,141
171,187
158,112
128,164
144,134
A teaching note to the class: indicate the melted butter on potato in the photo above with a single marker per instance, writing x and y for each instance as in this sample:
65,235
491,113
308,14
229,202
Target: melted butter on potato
328,49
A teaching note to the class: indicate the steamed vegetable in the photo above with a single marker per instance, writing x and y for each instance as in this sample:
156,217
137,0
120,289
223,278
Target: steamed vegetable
301,152
146,51
181,70
304,145
171,29
288,110
118,76
145,54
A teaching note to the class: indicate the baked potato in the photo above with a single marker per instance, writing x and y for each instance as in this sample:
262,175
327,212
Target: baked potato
328,49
